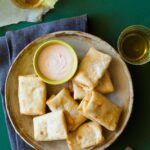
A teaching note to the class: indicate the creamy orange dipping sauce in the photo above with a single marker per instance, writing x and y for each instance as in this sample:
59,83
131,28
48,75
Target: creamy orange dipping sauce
55,62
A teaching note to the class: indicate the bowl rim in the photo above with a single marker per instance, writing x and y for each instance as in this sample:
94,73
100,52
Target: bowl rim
85,35
74,63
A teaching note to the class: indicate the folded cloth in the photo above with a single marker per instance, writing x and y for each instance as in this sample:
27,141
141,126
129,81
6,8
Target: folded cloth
14,42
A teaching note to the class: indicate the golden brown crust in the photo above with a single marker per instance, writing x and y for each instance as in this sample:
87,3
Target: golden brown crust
32,95
98,108
86,137
63,100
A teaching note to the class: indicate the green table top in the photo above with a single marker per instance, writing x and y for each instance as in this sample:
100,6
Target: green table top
106,19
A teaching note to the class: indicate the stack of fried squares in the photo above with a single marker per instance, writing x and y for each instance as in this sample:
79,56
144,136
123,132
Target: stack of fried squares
81,124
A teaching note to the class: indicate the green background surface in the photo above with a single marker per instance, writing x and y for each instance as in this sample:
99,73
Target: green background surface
107,18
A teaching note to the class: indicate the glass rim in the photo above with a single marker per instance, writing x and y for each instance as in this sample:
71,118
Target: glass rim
141,28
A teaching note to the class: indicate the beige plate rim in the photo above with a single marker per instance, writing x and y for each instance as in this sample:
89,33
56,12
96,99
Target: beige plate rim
87,35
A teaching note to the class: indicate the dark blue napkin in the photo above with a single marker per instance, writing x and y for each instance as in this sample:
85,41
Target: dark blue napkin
13,42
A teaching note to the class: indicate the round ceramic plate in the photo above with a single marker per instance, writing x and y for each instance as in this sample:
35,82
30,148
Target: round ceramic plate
81,42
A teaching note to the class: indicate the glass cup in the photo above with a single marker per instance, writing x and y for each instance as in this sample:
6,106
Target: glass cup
27,4
134,44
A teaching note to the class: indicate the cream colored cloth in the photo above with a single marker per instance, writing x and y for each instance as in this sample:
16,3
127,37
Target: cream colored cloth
10,14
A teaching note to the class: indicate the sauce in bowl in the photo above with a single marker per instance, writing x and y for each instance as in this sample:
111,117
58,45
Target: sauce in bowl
55,62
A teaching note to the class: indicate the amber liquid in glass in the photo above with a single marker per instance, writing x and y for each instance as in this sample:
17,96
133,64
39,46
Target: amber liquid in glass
135,46
27,3
30,2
